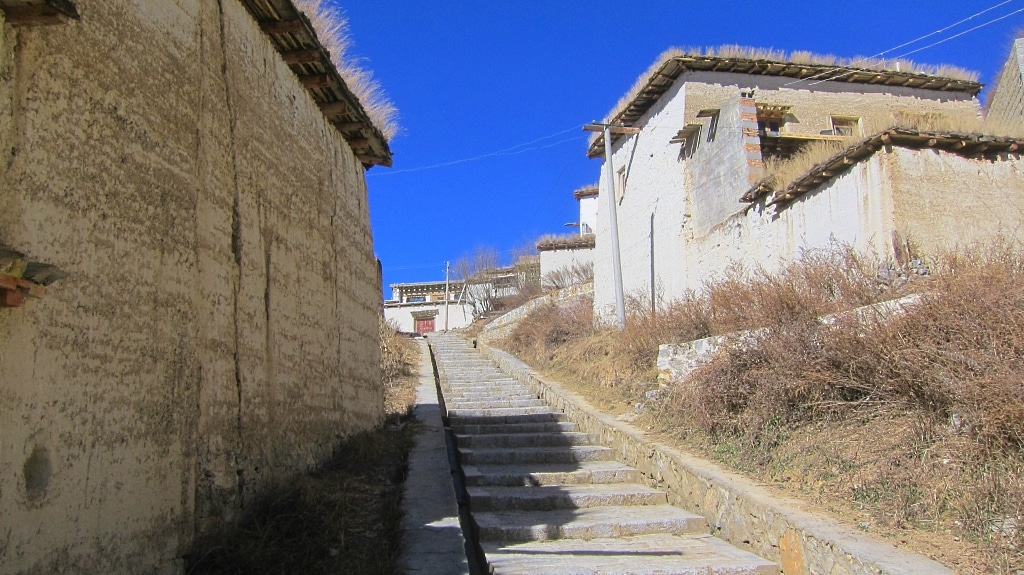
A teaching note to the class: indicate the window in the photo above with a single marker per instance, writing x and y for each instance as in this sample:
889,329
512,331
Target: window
620,189
771,118
845,126
713,126
417,299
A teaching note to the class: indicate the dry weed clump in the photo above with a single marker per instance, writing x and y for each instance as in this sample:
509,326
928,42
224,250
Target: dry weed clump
397,352
566,276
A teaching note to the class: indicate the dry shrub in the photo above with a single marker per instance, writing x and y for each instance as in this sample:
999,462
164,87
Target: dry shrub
549,326
915,417
566,276
397,352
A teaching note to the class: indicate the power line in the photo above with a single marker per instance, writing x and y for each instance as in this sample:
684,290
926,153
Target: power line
944,40
511,151
905,44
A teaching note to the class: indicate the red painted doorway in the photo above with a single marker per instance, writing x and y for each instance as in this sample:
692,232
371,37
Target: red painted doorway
425,325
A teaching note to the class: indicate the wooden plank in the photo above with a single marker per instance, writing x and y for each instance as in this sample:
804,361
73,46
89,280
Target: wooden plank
360,143
10,298
302,56
283,26
8,282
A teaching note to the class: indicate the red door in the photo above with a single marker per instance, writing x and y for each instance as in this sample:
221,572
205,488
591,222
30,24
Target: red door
425,325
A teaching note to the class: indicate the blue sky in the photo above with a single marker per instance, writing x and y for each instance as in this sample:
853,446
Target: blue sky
493,95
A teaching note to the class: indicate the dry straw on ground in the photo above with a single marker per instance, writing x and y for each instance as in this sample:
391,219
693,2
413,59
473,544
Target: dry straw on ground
332,30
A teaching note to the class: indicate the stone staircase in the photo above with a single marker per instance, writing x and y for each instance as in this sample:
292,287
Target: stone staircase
547,499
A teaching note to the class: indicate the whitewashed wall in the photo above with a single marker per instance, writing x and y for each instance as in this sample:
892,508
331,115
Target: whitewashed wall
459,315
551,260
588,214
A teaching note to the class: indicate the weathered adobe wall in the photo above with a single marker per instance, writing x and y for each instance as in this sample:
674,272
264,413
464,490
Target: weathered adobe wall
1007,101
937,200
944,201
217,331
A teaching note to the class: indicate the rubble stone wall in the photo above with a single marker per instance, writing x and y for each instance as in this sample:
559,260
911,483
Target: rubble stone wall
217,331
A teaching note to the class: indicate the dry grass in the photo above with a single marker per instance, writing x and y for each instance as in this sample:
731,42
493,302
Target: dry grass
912,426
781,172
340,519
332,29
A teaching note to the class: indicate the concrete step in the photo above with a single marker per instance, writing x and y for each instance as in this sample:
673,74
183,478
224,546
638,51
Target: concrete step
552,427
498,412
544,417
586,523
530,455
640,555
583,472
526,440
543,498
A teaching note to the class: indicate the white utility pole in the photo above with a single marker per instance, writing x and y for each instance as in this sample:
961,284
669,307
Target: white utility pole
613,220
447,293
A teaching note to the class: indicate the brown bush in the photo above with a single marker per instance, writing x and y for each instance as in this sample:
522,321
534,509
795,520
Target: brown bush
397,352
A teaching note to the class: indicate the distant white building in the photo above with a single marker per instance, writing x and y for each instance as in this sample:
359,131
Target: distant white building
569,251
422,307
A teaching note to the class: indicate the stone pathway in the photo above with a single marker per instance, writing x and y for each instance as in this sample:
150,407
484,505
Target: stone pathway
546,499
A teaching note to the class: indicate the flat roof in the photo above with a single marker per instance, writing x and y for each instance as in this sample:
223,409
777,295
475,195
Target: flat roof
664,76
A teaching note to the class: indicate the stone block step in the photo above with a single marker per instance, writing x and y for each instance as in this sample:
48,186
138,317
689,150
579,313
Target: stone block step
491,394
543,498
556,427
495,403
545,417
498,412
586,523
526,440
580,473
530,455
639,555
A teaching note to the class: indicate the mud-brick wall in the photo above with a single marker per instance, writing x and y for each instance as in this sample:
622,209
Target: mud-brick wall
217,330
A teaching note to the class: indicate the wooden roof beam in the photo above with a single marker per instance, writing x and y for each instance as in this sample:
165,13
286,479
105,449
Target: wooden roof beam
283,26
302,56
44,13
333,108
316,80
